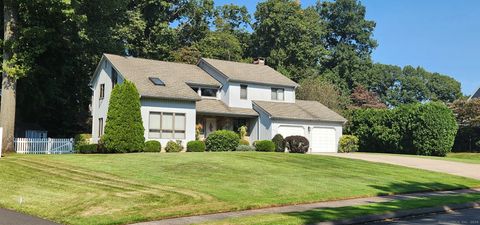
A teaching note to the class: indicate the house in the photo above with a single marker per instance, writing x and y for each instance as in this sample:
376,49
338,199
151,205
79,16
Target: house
217,94
476,94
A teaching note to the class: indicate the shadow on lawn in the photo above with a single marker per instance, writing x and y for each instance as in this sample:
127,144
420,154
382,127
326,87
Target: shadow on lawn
412,186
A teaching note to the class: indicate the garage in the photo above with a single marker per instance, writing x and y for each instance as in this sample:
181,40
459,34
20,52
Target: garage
323,139
286,131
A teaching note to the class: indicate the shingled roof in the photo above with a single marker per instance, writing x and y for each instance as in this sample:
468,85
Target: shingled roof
251,73
217,107
300,110
176,77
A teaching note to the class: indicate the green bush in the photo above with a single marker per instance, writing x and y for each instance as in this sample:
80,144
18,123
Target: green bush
243,142
348,143
152,146
124,128
81,139
196,146
87,149
244,148
174,146
264,146
297,144
279,143
222,140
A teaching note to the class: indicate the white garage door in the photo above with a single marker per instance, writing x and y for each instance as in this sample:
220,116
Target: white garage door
323,140
286,131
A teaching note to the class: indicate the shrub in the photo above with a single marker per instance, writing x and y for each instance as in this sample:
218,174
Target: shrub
81,139
87,149
152,146
297,144
264,146
196,146
174,146
243,142
279,143
222,140
245,148
348,143
124,128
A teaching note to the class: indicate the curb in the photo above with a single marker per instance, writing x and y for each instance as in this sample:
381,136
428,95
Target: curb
403,213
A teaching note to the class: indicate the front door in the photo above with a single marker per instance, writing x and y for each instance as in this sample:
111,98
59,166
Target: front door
210,126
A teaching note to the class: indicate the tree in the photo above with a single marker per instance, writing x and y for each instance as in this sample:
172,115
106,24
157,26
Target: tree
467,112
363,98
324,92
288,36
220,45
232,18
195,19
189,55
124,130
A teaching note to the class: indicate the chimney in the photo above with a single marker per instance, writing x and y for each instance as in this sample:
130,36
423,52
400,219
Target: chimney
259,61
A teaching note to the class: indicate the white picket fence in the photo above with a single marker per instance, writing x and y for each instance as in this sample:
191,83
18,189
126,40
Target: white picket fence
43,145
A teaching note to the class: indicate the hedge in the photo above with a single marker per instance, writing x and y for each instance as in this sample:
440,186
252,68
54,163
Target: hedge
152,146
87,149
297,144
196,146
279,143
222,140
264,146
124,127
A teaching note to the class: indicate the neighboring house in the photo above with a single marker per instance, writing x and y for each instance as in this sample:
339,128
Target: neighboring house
216,94
476,95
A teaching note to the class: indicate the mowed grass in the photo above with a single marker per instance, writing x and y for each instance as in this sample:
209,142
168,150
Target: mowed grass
126,188
331,214
464,157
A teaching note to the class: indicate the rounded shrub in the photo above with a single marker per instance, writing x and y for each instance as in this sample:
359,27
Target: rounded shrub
81,139
196,146
244,148
264,146
124,128
297,144
279,142
152,146
348,143
174,146
87,149
243,142
222,140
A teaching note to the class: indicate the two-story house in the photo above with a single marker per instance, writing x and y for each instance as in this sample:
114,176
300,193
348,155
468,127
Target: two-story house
217,94
476,94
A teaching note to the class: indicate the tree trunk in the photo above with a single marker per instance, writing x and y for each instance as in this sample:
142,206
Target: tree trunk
9,83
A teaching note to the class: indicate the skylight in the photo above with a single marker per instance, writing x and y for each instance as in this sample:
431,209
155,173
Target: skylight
156,81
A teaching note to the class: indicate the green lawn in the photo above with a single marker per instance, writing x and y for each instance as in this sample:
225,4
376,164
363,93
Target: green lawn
464,157
329,214
124,188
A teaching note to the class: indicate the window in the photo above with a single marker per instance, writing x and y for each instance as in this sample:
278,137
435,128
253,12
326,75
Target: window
100,127
243,91
209,92
156,81
102,91
114,77
166,125
278,94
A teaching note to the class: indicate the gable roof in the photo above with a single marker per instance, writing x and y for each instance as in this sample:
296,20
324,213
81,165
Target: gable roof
476,94
250,73
300,110
176,77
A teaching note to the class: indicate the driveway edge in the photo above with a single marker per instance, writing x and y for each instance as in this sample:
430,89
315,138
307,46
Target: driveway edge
403,213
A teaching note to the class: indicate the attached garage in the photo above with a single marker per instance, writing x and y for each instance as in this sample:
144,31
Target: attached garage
286,131
323,139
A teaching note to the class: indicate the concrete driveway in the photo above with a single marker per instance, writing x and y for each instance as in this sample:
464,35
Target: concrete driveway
444,166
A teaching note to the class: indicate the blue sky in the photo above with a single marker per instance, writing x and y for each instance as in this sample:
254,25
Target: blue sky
440,35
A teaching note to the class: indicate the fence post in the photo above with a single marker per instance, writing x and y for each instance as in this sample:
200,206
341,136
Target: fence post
49,146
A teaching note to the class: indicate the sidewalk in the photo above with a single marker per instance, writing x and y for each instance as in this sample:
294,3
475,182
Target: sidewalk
302,207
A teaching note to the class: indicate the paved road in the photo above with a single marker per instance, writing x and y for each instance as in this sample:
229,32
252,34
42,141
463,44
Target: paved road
461,217
8,217
444,166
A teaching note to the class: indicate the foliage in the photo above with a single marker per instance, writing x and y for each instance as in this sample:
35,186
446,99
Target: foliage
245,148
264,146
279,143
243,142
152,146
297,144
467,112
220,45
348,143
362,98
124,128
426,129
196,146
174,146
222,140
318,89
87,149
82,139
188,54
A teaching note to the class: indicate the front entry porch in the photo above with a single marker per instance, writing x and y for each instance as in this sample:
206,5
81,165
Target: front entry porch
210,123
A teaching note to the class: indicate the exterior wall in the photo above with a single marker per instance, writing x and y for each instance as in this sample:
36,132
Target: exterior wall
256,92
223,94
100,107
312,124
156,105
264,125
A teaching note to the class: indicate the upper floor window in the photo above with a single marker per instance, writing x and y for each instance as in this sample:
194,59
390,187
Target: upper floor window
209,92
100,127
114,77
102,91
278,94
243,91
